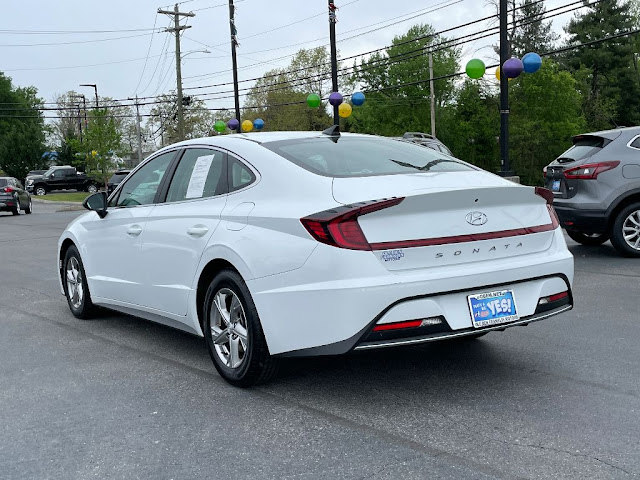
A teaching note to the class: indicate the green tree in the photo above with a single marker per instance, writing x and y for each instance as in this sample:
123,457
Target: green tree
22,129
392,111
198,120
532,34
545,114
609,80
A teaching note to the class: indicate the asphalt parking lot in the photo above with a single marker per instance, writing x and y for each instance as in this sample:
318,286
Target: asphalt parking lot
119,397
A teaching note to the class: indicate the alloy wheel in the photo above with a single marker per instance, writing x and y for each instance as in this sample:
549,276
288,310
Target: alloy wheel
631,230
229,328
75,290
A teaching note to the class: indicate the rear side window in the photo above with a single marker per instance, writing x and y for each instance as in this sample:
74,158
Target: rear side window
239,175
635,143
199,175
364,156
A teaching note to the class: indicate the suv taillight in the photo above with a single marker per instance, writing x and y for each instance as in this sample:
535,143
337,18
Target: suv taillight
339,226
589,171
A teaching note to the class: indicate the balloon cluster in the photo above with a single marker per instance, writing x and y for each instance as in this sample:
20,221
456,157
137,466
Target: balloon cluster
336,99
512,68
233,124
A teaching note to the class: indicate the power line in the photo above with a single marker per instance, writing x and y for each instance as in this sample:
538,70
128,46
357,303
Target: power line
144,68
72,43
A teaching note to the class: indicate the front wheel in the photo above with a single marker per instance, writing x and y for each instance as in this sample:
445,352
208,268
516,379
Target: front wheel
29,208
625,232
75,284
41,191
92,188
233,332
591,239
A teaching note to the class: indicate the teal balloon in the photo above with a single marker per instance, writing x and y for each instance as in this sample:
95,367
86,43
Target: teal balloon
357,99
220,126
313,100
531,62
475,68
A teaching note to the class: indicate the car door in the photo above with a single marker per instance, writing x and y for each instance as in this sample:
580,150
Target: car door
114,268
179,228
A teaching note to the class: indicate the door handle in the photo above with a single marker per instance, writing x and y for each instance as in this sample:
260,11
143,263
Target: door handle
134,230
197,231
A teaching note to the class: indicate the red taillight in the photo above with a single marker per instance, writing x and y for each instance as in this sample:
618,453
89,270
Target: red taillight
544,172
339,226
8,189
553,298
548,196
590,171
397,325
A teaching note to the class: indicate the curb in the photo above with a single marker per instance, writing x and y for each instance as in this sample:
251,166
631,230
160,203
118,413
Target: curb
54,202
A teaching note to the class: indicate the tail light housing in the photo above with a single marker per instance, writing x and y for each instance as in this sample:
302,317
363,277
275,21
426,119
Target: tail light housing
544,172
8,189
339,226
589,171
548,196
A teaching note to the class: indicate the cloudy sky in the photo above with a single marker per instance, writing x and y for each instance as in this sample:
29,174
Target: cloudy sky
57,45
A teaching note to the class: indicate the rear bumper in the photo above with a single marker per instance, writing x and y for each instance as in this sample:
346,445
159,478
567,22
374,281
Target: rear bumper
587,221
334,315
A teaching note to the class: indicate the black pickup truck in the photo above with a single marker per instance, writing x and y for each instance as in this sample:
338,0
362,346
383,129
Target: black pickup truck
60,178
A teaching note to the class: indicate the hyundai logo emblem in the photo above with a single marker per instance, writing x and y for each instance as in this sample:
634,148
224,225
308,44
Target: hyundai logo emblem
476,218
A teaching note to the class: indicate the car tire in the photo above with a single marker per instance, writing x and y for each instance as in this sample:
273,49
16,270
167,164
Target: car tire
91,188
40,191
16,209
591,239
625,232
75,285
233,332
29,208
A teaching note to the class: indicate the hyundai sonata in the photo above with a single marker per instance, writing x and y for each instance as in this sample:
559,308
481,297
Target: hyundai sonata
305,243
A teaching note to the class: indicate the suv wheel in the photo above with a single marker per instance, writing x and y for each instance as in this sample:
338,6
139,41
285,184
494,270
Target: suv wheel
588,238
625,233
92,188
41,191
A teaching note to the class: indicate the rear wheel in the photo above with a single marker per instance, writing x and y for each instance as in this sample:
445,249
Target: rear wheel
29,208
16,209
233,332
588,238
625,233
75,285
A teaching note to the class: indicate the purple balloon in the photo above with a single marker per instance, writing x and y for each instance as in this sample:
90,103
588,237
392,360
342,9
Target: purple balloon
512,67
335,99
233,124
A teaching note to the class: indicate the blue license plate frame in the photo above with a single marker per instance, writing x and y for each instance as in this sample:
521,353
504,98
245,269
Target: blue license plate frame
492,308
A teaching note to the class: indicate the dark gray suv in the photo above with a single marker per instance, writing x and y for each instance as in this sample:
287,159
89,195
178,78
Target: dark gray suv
596,187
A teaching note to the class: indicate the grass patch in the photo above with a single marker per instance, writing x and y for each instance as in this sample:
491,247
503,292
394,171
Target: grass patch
64,197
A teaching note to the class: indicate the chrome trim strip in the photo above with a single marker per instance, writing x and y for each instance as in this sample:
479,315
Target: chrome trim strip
413,341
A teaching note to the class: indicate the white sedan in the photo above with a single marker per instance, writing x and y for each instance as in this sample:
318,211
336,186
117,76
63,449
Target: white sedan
306,243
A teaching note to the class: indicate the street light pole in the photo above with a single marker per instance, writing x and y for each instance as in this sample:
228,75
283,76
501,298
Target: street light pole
95,87
505,169
334,57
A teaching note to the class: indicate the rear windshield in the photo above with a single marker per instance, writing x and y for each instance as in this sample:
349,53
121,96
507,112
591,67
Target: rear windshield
118,177
364,156
582,148
4,182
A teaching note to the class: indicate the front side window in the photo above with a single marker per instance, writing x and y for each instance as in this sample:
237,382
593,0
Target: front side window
142,187
199,175
364,156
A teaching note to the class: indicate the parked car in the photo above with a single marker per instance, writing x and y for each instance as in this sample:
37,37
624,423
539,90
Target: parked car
62,177
596,187
426,140
13,196
305,243
33,173
115,179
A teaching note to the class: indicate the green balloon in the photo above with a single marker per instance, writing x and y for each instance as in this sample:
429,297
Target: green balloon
475,68
220,126
313,100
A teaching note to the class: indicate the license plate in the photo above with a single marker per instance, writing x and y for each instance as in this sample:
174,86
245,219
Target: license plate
555,186
492,308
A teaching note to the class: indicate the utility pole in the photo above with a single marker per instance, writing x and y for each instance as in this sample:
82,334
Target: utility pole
95,87
138,129
334,57
505,170
234,61
433,97
177,28
79,122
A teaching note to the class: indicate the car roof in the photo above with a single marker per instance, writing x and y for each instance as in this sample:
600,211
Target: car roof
262,137
611,134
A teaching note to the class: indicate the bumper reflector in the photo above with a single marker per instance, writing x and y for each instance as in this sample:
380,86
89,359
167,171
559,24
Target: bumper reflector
553,298
425,322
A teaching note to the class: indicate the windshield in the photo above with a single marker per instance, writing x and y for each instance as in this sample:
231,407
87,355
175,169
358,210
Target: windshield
49,172
364,156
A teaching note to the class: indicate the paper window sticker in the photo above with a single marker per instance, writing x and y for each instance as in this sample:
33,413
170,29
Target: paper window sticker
199,176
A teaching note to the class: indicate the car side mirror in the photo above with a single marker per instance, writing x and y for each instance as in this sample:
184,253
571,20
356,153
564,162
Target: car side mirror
97,202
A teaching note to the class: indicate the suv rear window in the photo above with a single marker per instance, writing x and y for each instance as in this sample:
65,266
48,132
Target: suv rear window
364,156
118,177
583,147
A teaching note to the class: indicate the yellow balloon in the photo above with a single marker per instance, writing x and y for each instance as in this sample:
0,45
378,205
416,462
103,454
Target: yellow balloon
247,126
498,73
344,110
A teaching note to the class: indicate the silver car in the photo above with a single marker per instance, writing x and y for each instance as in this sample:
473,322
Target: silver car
596,187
